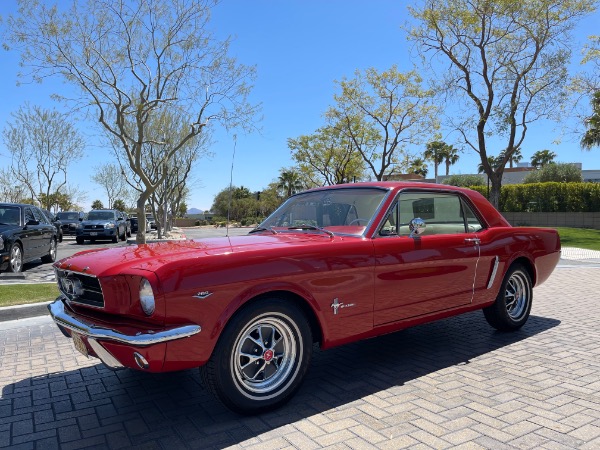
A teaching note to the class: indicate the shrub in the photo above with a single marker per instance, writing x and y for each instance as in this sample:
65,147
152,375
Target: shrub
464,180
559,172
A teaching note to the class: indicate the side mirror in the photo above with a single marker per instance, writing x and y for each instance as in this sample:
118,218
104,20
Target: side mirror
416,227
33,222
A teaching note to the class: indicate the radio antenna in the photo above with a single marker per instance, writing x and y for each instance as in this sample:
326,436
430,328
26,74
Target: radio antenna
230,185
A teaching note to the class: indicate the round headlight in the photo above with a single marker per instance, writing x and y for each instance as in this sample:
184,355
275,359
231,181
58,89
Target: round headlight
146,297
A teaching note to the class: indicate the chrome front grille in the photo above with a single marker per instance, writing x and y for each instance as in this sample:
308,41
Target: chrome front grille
93,227
80,288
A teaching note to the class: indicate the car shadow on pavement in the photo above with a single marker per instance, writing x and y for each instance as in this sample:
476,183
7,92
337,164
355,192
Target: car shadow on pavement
127,407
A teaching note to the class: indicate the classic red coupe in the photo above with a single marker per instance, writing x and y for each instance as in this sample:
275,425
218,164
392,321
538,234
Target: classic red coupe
332,265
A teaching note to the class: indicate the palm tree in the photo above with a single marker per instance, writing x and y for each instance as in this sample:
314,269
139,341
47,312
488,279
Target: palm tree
434,153
450,157
542,157
419,167
515,158
289,182
492,160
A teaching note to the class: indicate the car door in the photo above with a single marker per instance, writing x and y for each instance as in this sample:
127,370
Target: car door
426,273
44,232
30,237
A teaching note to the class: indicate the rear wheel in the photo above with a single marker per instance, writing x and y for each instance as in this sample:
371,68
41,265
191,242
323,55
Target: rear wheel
511,309
261,358
51,256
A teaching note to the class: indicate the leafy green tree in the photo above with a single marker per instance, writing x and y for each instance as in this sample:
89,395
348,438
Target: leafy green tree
542,158
382,113
134,63
556,172
505,63
591,138
97,204
327,157
464,180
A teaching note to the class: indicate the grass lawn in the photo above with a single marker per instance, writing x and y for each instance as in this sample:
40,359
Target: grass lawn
579,237
20,294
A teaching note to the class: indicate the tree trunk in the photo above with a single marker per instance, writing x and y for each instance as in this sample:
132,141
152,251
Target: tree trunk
495,185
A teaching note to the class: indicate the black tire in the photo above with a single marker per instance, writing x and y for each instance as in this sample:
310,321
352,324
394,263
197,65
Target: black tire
252,384
511,309
124,237
79,240
51,256
15,262
116,237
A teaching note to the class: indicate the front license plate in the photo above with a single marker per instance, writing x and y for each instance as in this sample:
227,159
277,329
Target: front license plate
93,233
79,344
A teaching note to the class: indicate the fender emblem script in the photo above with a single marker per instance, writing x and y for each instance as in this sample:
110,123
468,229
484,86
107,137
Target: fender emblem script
202,295
336,305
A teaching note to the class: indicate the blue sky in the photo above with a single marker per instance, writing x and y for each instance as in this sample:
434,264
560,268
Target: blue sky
299,49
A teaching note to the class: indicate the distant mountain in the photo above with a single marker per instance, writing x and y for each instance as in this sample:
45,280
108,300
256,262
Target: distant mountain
194,211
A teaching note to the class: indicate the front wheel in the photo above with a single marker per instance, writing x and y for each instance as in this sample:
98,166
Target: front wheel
15,263
261,358
511,309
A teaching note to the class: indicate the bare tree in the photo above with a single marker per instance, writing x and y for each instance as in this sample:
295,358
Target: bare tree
136,61
503,65
43,145
111,178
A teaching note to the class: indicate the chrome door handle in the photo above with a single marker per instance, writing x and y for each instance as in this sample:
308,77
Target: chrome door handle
473,240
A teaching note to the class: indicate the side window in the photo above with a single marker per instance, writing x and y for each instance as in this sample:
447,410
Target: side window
390,224
473,223
442,212
39,216
28,215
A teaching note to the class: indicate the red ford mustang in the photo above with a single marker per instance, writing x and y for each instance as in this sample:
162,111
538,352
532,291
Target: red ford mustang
332,265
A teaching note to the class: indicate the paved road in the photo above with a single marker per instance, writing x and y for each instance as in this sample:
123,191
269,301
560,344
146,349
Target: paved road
451,384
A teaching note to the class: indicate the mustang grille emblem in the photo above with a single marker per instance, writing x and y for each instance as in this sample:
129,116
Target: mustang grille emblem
72,287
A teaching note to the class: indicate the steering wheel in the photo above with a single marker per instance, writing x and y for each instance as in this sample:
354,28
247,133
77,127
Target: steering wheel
357,221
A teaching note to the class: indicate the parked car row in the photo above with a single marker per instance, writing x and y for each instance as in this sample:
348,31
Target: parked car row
26,234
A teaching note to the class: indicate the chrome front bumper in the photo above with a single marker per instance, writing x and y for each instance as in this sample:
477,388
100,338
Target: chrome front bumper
94,333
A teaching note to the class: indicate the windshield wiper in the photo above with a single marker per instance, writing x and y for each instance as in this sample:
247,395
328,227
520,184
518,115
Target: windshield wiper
311,228
258,229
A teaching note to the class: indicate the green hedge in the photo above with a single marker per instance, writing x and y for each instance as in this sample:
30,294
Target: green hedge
548,197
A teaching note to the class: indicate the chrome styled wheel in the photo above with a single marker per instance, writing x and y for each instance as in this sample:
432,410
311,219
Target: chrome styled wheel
51,256
261,357
511,309
16,259
264,355
517,295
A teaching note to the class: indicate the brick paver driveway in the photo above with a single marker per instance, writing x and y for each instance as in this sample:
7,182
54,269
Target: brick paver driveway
449,384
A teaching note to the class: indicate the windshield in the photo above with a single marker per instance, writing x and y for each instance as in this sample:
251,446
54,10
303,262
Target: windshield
343,210
67,216
101,215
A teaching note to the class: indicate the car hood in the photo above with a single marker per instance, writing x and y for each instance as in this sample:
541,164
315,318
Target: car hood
116,260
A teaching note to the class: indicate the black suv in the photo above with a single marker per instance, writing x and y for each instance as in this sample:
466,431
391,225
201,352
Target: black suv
102,224
25,234
70,221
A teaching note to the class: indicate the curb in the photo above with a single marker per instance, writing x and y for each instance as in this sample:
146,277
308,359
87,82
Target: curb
17,312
